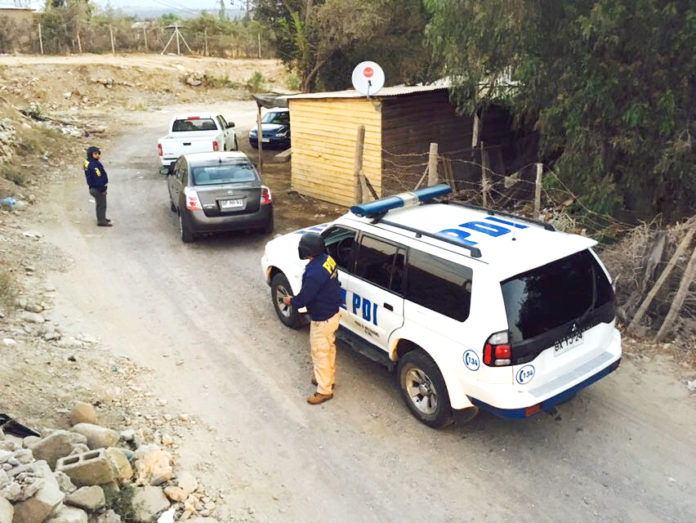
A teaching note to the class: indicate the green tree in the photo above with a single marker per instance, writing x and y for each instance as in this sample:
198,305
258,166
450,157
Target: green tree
324,39
609,83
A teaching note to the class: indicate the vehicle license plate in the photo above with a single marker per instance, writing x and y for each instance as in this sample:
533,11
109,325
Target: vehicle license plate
227,205
265,140
569,342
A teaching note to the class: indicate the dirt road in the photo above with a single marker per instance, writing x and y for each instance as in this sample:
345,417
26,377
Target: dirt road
623,450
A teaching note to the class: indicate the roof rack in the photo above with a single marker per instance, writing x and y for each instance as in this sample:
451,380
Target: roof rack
475,251
491,212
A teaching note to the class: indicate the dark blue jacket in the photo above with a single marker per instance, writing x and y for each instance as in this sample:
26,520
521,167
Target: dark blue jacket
321,290
96,175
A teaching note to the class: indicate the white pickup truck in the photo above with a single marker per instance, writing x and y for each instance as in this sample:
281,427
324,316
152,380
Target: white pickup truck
196,133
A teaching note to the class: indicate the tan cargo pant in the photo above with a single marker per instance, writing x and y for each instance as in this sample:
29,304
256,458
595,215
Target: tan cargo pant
322,340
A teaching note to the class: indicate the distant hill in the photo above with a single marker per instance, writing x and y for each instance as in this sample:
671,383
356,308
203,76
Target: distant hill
156,12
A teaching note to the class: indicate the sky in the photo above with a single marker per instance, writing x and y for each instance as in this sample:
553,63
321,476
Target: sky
155,4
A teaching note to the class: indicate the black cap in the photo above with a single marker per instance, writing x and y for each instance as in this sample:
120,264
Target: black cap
92,149
311,244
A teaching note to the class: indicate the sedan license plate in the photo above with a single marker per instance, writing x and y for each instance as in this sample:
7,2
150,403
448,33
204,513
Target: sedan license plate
265,140
228,205
569,342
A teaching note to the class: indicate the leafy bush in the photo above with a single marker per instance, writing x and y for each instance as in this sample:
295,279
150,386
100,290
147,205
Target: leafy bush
256,83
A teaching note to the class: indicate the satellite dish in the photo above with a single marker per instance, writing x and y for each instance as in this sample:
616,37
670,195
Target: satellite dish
368,78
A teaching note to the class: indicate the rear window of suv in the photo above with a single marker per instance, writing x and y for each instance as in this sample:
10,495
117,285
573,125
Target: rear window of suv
567,290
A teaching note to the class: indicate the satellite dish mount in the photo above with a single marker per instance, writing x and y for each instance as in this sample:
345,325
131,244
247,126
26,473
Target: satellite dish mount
368,78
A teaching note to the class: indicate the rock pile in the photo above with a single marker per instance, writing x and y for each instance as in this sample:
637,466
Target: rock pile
93,474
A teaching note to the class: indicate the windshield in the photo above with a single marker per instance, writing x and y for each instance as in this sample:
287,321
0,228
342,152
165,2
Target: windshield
194,124
224,173
282,118
554,294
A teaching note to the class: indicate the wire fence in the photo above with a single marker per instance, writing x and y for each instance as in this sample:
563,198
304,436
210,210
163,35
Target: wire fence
636,256
57,38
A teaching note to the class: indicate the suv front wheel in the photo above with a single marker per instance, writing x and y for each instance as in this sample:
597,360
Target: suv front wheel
424,390
280,288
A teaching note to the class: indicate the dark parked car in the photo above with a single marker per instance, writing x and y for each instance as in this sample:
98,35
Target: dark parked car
275,126
216,192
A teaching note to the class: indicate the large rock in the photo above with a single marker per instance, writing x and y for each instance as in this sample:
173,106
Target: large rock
97,437
120,464
149,501
154,465
48,497
56,446
187,482
87,498
6,511
69,515
108,517
83,413
64,482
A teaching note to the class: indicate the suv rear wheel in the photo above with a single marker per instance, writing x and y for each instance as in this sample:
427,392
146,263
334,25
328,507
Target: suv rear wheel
280,288
424,390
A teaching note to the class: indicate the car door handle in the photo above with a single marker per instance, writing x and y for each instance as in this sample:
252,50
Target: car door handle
388,307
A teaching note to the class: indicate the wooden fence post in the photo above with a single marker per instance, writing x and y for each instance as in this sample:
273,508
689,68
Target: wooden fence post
661,280
145,38
79,43
686,281
357,164
259,134
205,38
484,176
40,40
111,34
537,189
432,165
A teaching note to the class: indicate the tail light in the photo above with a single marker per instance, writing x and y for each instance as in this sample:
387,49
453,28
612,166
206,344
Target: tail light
497,351
265,195
159,149
216,146
192,201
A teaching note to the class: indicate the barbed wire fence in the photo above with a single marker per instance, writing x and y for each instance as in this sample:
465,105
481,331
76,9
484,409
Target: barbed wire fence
653,266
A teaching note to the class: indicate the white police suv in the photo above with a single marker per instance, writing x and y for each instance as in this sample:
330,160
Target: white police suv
476,309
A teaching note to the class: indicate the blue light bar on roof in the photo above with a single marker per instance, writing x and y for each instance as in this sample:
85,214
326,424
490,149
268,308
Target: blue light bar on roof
404,199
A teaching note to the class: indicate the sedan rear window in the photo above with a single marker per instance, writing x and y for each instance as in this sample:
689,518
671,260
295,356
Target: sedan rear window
194,124
224,173
555,294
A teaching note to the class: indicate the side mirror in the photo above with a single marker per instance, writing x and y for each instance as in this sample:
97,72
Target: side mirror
166,169
230,125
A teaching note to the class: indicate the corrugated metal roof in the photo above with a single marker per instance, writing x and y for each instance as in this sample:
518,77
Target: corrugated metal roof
386,92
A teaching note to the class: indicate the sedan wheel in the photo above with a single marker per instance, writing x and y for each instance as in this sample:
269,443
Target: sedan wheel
280,288
185,230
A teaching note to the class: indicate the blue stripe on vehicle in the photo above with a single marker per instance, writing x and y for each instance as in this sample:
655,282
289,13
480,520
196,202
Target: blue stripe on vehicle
549,403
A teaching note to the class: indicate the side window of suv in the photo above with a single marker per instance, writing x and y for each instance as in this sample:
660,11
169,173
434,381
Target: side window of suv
339,243
439,285
381,263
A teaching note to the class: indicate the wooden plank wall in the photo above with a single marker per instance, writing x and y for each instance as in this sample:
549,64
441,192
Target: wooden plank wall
409,124
323,146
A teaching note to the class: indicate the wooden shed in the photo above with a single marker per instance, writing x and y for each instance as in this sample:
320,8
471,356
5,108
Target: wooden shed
400,123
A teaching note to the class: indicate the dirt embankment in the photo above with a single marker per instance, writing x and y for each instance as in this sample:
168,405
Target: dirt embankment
51,109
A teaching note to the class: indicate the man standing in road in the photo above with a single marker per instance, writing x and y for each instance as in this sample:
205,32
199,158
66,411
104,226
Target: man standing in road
97,181
321,294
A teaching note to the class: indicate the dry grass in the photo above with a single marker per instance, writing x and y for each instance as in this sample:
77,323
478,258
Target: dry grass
635,273
8,290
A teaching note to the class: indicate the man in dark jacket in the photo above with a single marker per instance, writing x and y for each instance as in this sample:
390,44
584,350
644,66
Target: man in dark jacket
321,294
97,181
